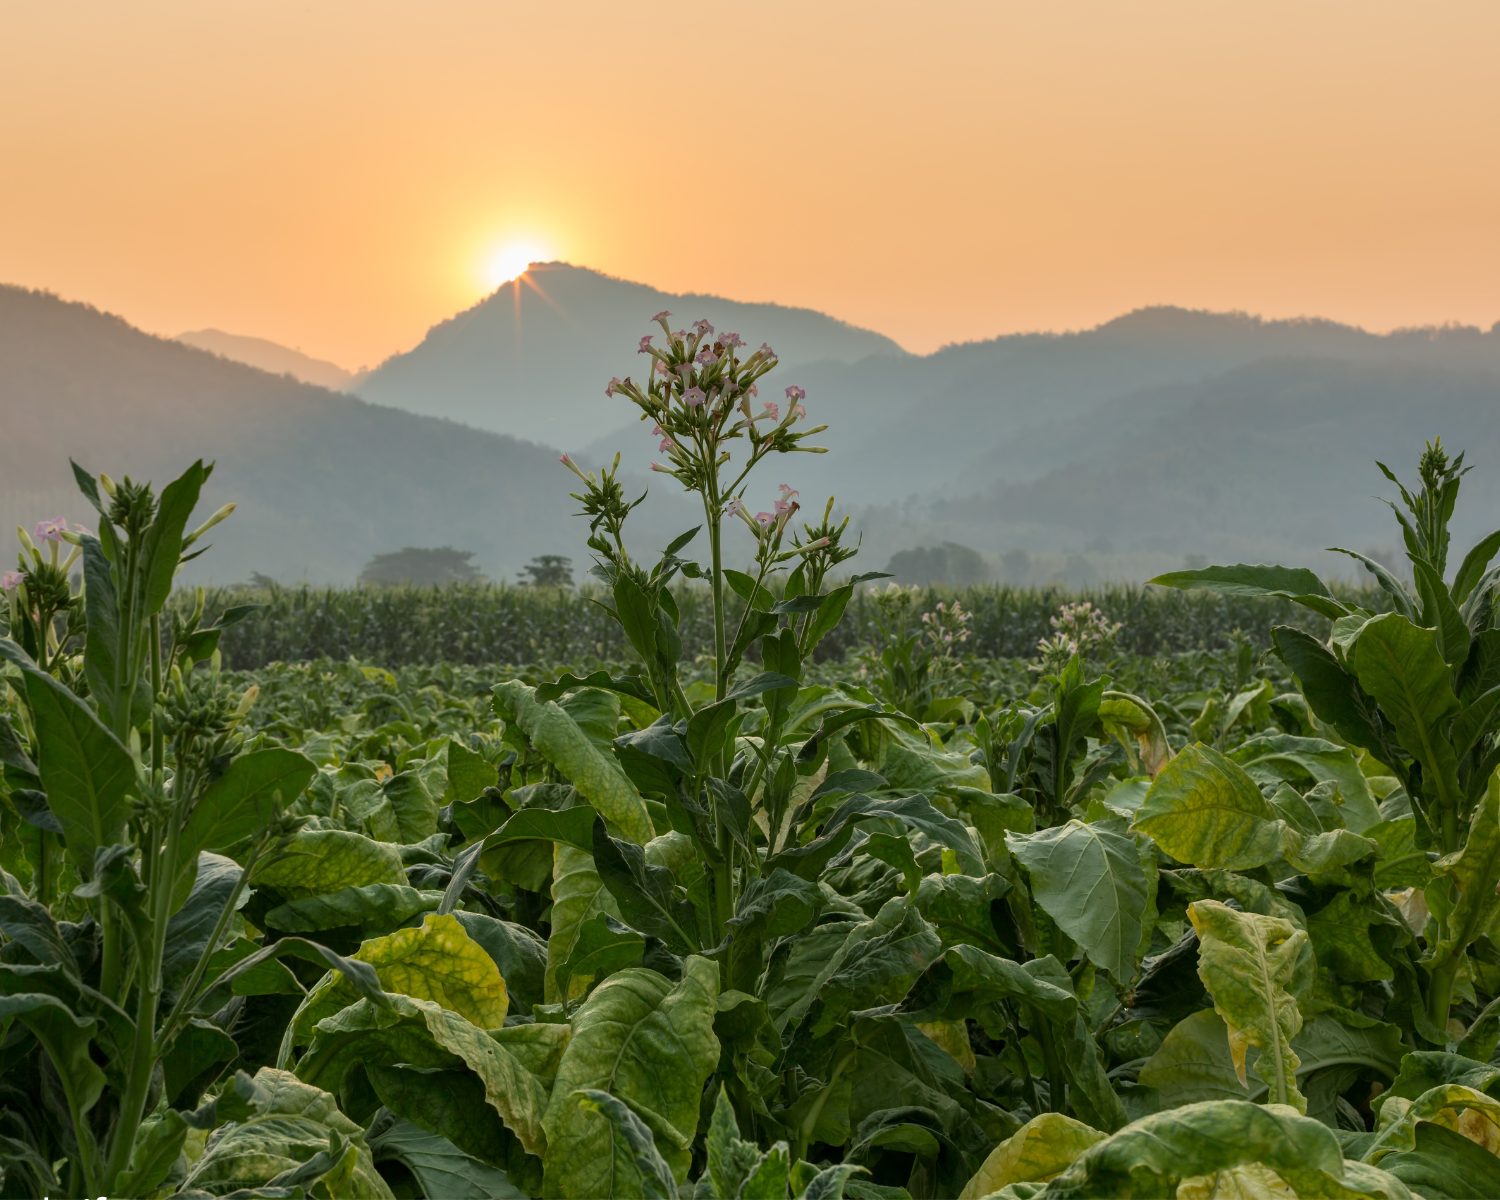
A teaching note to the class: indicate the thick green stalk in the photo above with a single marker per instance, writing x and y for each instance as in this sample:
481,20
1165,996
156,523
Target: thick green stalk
158,746
178,1017
1440,989
111,966
715,537
143,1050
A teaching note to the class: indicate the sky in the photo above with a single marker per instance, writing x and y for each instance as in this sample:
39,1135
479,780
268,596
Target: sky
338,175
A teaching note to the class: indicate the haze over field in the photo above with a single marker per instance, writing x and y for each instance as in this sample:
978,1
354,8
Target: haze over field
1007,250
1112,453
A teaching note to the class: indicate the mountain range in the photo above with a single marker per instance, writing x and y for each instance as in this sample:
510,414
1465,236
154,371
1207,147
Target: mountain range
324,481
1110,452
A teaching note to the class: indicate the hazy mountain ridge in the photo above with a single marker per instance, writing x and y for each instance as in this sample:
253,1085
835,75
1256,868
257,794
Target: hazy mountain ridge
533,358
324,480
269,356
1108,452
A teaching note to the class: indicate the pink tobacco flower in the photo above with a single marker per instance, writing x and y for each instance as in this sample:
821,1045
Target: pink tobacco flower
732,509
706,355
702,327
771,410
798,412
754,390
795,393
817,545
10,581
693,397
50,531
661,316
645,347
730,340
765,518
765,348
614,385
656,466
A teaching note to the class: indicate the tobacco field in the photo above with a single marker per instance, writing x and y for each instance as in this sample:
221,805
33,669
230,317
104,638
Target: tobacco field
730,901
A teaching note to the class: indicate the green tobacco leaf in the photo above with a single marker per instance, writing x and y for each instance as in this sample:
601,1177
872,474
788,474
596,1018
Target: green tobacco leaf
917,812
320,861
960,907
894,850
84,769
1043,1147
289,1126
604,946
578,895
1282,756
633,1166
1474,871
1332,693
376,908
596,711
740,1168
876,964
1444,1165
630,685
161,546
420,1033
440,1167
647,1043
1400,1118
65,1036
1401,599
557,737
468,774
1401,864
243,799
1472,569
451,1104
197,1057
1153,1155
193,924
518,953
1242,579
1340,933
29,924
1203,809
1255,968
1088,878
648,897
252,966
437,961
415,810
1440,614
1401,666
102,641
1194,1062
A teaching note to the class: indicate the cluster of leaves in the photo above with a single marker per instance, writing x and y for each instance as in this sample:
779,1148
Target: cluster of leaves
753,932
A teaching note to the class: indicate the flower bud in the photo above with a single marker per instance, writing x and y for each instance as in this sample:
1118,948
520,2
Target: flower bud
107,484
208,524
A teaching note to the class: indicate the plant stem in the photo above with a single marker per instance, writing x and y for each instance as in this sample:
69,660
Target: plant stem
144,1050
178,1016
158,748
715,538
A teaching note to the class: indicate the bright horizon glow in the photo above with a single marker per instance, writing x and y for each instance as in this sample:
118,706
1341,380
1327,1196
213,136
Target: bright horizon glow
511,262
1051,168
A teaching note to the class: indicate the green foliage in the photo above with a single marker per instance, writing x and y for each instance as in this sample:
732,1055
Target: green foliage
671,928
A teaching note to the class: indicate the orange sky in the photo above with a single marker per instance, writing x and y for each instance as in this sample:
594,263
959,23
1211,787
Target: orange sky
336,174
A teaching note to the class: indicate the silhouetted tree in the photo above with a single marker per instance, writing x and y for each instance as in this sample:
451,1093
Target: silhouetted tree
421,567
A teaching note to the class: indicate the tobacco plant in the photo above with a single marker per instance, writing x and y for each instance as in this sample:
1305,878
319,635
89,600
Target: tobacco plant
739,927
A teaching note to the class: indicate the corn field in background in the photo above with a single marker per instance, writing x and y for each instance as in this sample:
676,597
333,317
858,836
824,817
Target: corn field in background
497,623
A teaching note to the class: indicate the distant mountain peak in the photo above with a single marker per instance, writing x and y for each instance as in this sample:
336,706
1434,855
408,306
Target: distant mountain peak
533,357
269,356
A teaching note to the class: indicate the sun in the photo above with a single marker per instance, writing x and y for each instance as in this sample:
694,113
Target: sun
511,261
